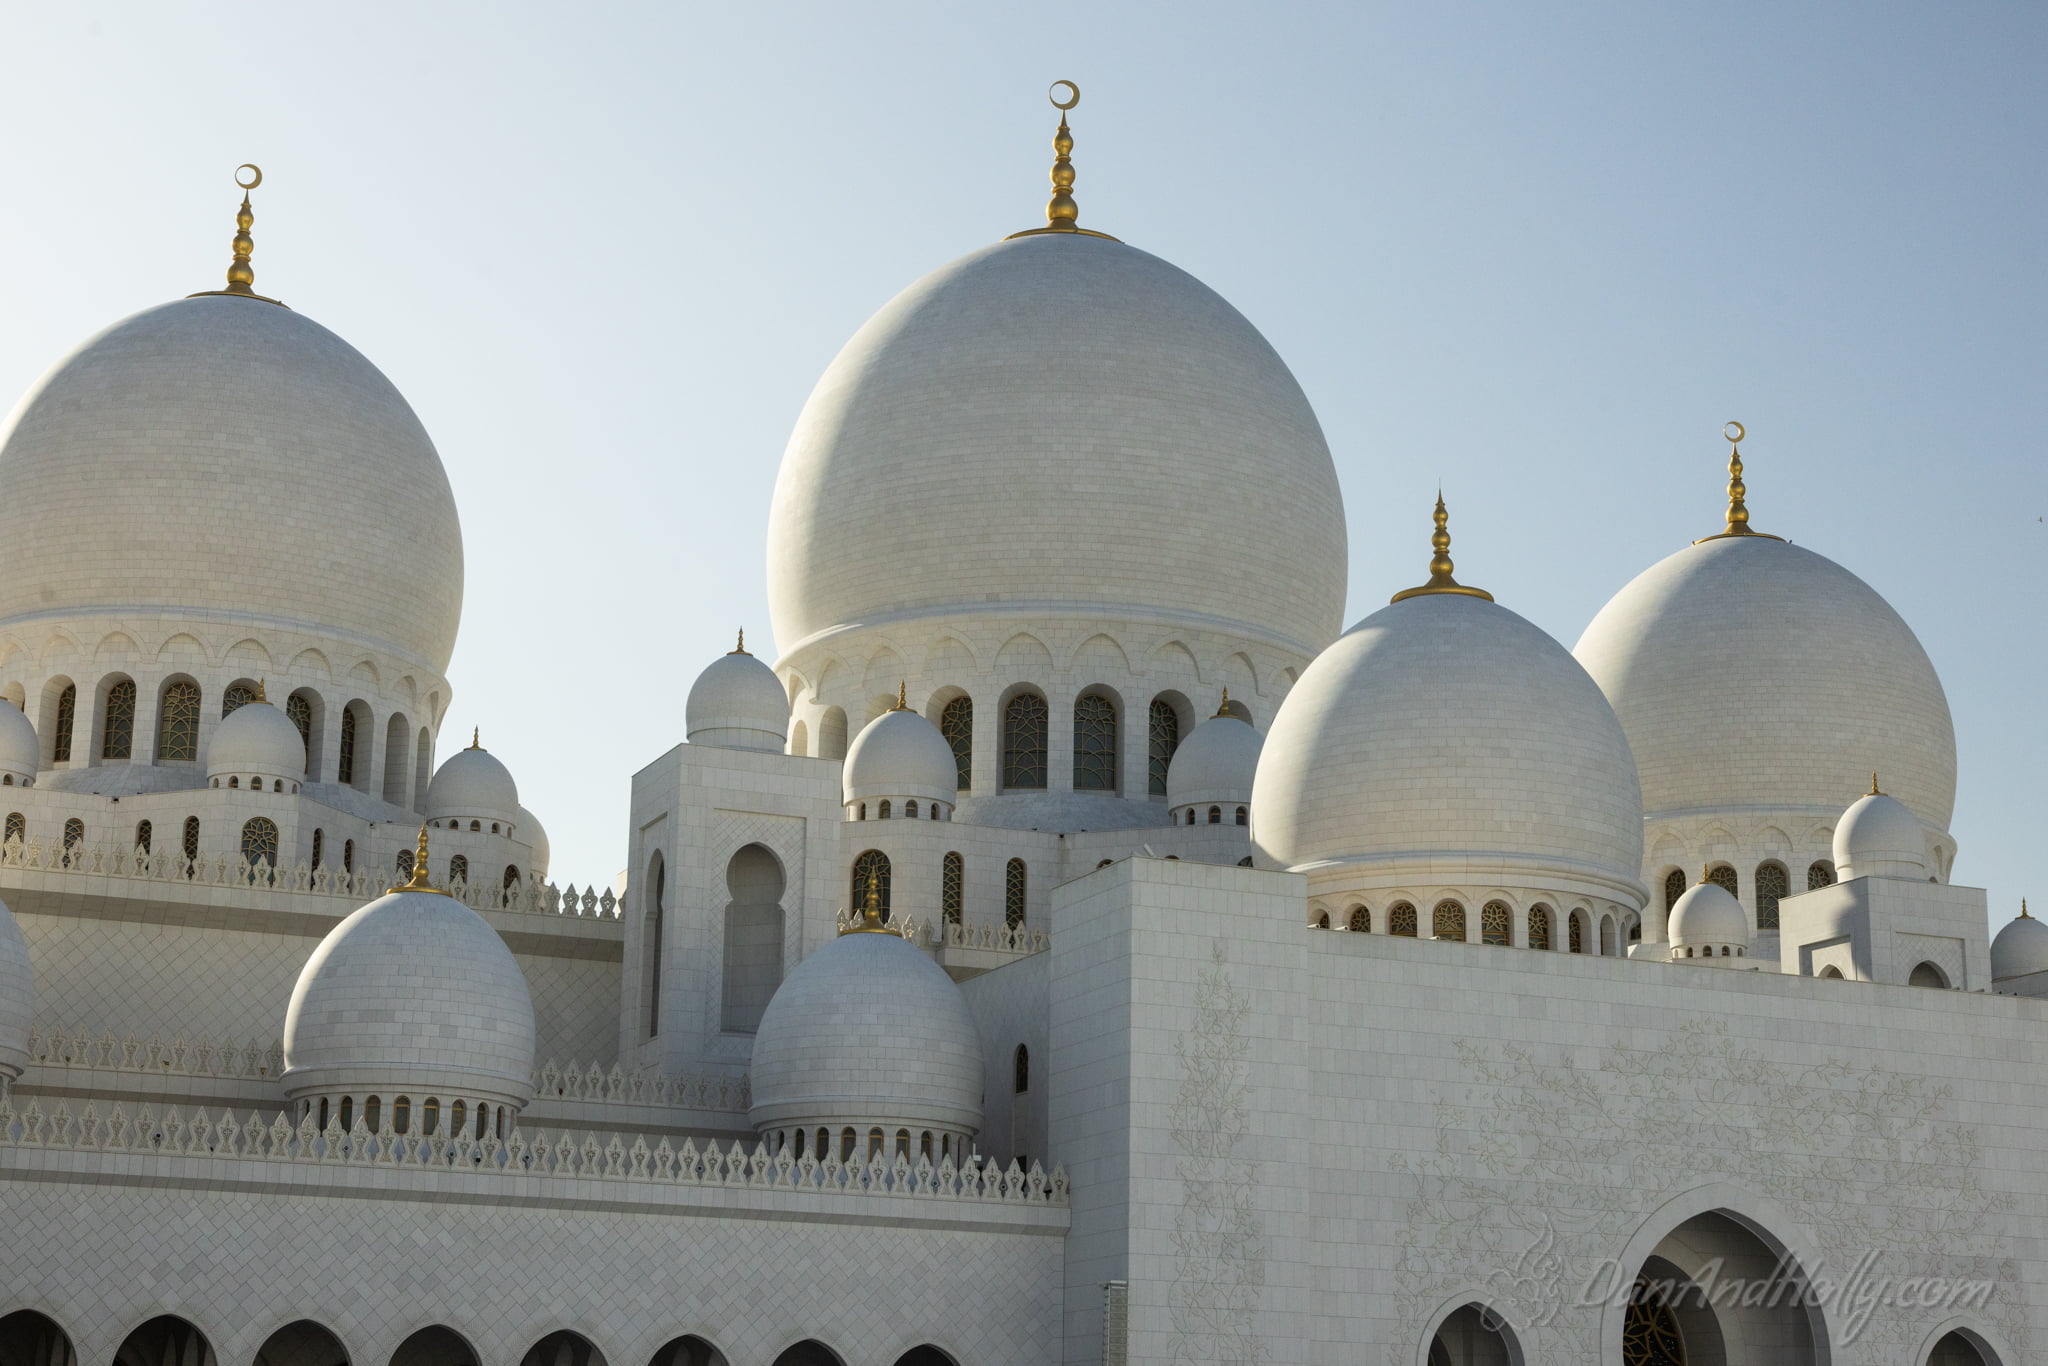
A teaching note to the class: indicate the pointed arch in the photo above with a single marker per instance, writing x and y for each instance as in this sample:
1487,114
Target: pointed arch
755,883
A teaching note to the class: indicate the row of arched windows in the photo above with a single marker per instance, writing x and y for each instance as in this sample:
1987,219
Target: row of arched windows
177,720
932,1146
874,864
1772,881
884,811
1216,816
1026,762
483,1120
1496,925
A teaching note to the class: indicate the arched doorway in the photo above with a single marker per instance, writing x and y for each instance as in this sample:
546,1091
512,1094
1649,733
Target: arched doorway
304,1343
563,1348
688,1350
1962,1348
31,1339
166,1340
1718,1289
435,1346
809,1353
1472,1335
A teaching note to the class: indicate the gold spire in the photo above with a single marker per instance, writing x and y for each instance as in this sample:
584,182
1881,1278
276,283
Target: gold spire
1440,580
259,690
476,737
1223,707
1061,213
1873,785
418,881
741,648
2023,909
870,921
241,274
902,704
1738,511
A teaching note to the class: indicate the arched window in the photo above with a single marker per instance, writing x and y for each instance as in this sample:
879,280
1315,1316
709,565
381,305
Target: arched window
458,870
300,709
191,841
319,849
1608,946
508,888
1020,1067
1539,927
1322,920
882,813
1024,741
1243,816
1162,739
348,856
1577,933
144,834
953,889
17,828
1496,923
910,810
345,761
74,835
1401,920
1447,921
1831,971
1191,815
404,864
1820,874
651,945
1360,921
1013,893
237,696
871,863
1928,975
177,724
1215,815
259,841
1094,744
117,736
956,723
1674,888
1772,882
67,715
1723,876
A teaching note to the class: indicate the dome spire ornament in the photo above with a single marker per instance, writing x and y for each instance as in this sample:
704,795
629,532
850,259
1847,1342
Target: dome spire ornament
476,737
418,881
1223,707
870,921
902,700
741,648
1738,510
1061,213
1873,785
241,274
1440,580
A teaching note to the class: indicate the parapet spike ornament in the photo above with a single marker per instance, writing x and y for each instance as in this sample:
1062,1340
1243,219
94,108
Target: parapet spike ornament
241,274
1440,580
1738,510
418,881
1062,214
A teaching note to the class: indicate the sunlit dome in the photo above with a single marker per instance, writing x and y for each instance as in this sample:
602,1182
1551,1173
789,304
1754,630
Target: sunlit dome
20,755
473,785
2021,948
1215,764
257,739
900,754
1707,916
737,703
1879,837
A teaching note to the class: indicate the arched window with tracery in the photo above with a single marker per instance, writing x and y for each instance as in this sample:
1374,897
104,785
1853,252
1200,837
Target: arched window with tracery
348,856
145,835
74,836
508,888
191,844
953,889
1772,882
1014,888
1820,874
17,828
300,709
1674,888
1539,927
1723,876
458,870
1447,921
237,696
345,761
1401,920
1496,923
177,724
1360,921
67,717
1024,741
872,864
259,841
1577,933
403,862
319,849
1162,739
117,735
1094,743
956,723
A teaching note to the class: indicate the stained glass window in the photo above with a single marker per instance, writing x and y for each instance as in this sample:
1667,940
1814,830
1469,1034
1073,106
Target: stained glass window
1674,888
345,763
1772,882
144,834
1361,920
1447,921
1024,741
235,698
1496,923
1577,935
1539,927
875,862
1013,893
458,870
67,714
1401,920
259,841
17,827
177,724
319,848
953,889
117,737
300,710
1094,744
1163,738
1722,876
1820,874
956,723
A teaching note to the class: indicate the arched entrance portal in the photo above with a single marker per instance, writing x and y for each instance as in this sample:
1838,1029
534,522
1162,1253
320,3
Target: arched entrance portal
304,1343
30,1339
165,1341
1472,1336
1715,1292
1961,1348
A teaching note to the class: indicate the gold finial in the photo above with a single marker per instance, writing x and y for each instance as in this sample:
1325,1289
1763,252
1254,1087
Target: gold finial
1738,511
1223,707
1705,868
241,274
418,882
2023,909
870,921
741,648
1873,785
476,737
259,690
1440,580
902,704
1061,213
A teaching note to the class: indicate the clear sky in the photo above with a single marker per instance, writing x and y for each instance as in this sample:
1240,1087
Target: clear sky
1539,252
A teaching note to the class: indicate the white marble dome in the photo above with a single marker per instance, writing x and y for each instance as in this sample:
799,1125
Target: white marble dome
1751,673
17,995
413,994
868,1031
1879,837
1707,915
2020,949
737,703
1448,733
474,786
900,754
1051,423
256,739
232,458
20,755
536,835
1215,765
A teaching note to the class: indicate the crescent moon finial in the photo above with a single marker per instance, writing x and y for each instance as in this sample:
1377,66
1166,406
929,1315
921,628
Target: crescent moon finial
1073,95
255,179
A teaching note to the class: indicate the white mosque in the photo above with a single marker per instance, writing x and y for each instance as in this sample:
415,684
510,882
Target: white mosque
1071,944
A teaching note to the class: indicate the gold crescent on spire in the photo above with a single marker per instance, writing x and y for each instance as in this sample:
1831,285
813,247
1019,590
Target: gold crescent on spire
418,882
1738,510
241,274
1061,213
1440,580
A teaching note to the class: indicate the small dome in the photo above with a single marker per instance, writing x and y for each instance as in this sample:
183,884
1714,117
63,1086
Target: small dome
1707,915
866,1031
1879,837
1214,764
900,754
737,703
2020,949
412,994
256,738
20,755
17,994
473,785
535,834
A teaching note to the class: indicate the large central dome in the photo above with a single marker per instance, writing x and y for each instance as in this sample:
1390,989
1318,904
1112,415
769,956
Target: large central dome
1059,422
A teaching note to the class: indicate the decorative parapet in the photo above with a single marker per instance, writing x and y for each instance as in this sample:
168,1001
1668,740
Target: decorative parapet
954,934
527,894
596,1085
520,1157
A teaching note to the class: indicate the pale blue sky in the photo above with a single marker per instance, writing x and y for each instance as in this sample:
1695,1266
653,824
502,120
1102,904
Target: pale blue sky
1539,252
